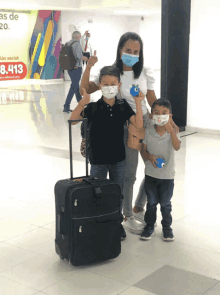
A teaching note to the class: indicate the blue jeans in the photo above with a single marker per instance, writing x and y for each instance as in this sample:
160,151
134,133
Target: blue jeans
75,76
158,191
116,173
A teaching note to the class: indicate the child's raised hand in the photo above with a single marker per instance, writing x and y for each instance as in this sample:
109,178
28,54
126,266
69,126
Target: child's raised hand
92,60
168,126
153,160
140,96
176,128
85,98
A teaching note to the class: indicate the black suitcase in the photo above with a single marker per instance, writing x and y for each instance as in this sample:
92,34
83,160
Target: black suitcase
88,218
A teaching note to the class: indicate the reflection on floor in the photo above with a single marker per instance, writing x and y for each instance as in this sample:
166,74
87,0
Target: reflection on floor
34,155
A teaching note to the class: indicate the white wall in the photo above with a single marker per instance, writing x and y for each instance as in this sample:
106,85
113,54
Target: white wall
204,65
105,32
150,32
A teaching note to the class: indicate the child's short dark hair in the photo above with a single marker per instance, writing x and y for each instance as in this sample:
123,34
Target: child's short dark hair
163,103
109,70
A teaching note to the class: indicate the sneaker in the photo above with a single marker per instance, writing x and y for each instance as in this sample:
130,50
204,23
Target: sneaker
168,234
133,226
140,217
123,233
66,111
147,233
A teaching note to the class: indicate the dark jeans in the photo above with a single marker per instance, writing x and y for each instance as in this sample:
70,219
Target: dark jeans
87,54
158,191
116,173
75,76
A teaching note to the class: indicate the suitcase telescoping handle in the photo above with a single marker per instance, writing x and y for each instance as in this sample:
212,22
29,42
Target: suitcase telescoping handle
71,146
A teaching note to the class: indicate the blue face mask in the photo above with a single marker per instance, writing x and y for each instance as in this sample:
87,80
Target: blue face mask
129,60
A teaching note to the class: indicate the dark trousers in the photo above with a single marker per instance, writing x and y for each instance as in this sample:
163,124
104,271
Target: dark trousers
87,54
116,173
75,76
158,191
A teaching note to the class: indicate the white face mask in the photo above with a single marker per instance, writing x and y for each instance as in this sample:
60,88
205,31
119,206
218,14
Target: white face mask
161,120
109,91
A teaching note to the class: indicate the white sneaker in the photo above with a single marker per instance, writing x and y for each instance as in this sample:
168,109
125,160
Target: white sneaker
133,226
140,217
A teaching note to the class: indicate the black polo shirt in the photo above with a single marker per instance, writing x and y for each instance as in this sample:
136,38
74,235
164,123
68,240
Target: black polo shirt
106,140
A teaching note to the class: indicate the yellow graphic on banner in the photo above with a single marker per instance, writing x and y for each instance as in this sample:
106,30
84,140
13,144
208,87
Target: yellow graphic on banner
36,76
46,43
34,54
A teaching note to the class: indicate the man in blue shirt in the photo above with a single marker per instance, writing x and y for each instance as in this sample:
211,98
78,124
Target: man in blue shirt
75,74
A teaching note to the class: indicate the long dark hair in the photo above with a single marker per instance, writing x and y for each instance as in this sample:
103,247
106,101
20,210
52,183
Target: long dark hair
138,67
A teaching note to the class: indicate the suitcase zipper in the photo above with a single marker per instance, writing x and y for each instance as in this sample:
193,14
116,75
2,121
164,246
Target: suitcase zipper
80,228
76,188
97,216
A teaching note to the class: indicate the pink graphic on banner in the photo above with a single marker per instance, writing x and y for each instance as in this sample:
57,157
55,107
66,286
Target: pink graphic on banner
57,16
56,53
44,14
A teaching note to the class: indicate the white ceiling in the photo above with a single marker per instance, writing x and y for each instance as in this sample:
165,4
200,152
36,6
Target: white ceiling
125,6
121,7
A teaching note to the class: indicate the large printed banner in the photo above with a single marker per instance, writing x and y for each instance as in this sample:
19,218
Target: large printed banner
30,45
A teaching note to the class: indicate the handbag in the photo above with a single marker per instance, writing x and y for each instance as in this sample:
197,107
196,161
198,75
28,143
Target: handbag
83,142
135,136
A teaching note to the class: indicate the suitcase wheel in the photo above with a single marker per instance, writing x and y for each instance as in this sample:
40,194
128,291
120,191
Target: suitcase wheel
58,251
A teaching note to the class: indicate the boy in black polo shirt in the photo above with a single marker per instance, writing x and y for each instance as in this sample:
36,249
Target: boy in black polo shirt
106,118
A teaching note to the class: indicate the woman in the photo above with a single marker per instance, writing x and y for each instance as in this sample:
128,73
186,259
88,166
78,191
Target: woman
129,61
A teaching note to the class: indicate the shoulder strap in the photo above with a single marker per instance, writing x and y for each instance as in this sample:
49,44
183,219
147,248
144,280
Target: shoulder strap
71,43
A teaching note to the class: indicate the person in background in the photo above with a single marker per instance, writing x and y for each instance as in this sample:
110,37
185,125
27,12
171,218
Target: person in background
75,74
86,45
161,141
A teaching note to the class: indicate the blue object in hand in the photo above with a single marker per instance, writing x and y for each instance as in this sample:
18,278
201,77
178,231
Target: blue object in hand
134,90
160,163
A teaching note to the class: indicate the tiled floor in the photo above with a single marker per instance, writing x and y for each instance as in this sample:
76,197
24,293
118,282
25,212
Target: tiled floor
34,155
